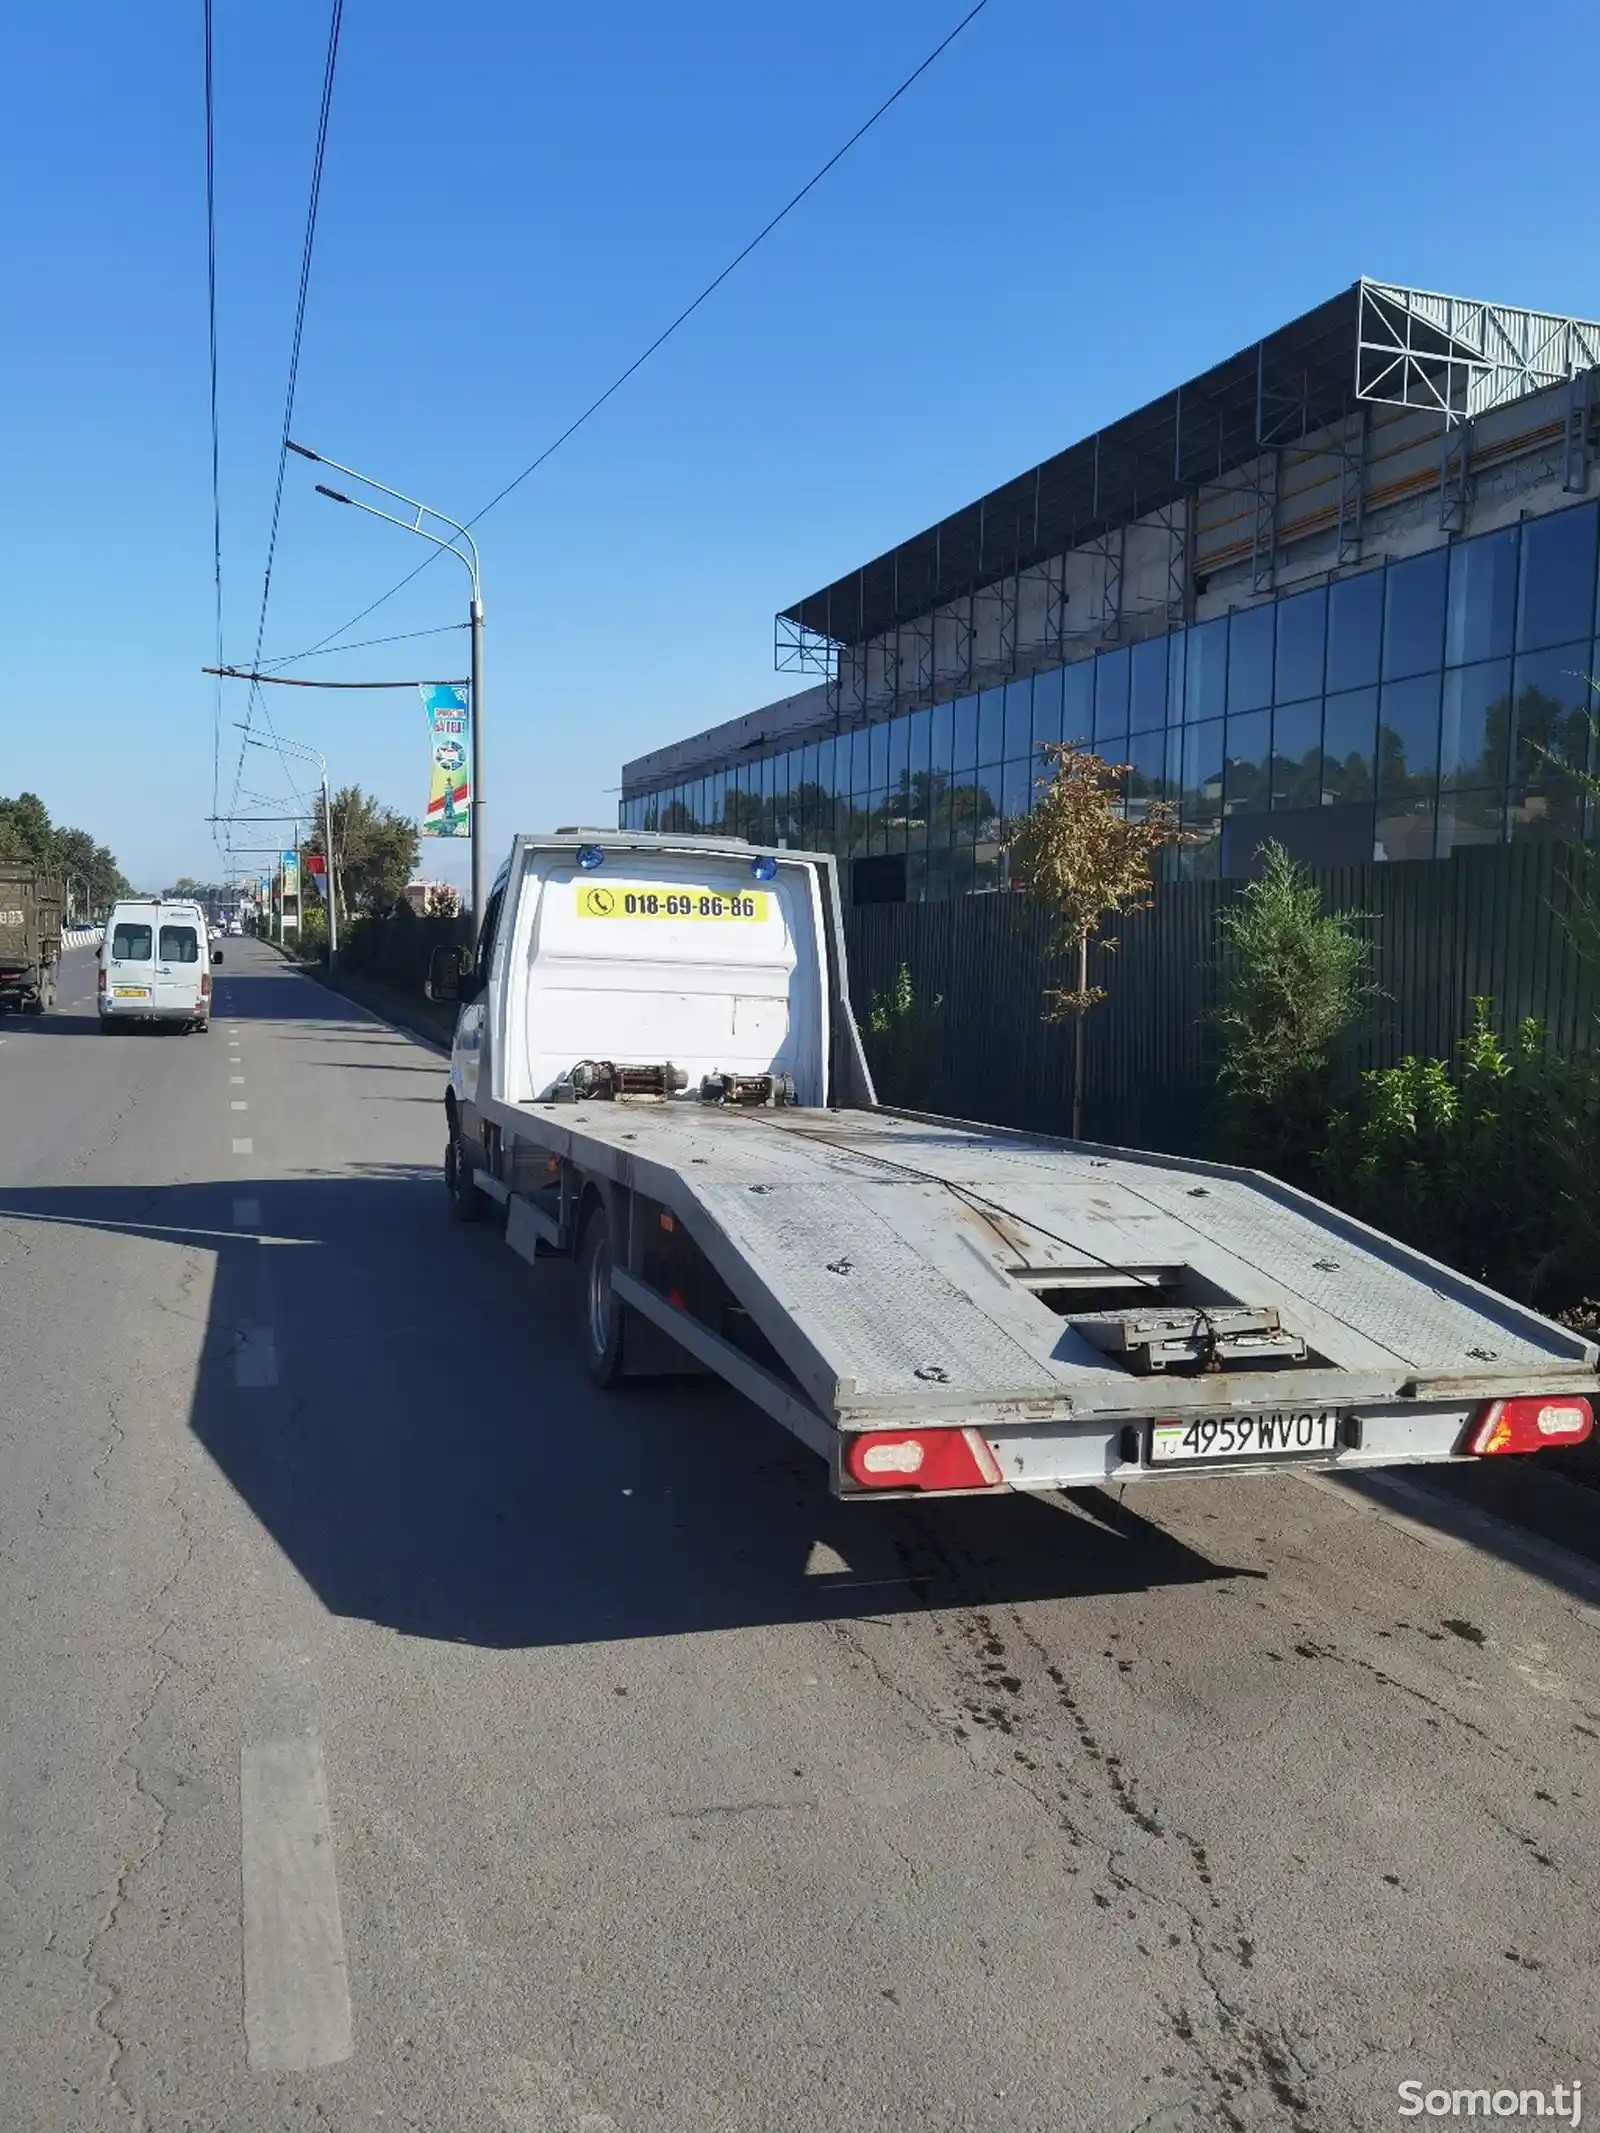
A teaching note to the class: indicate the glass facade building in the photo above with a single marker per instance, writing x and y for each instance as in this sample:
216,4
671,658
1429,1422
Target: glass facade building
1395,713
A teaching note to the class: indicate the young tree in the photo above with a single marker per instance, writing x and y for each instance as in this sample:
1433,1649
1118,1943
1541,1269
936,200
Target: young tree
1083,860
375,851
1294,980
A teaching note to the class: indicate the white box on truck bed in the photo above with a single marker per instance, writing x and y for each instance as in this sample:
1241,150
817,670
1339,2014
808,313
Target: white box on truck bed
656,1070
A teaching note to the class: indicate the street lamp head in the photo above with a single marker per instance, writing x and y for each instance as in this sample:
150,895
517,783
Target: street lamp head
305,451
335,494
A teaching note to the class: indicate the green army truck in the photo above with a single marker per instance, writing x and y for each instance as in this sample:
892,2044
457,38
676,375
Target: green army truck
30,936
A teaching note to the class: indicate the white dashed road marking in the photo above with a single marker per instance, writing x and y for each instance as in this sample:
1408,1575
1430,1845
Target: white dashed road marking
238,1104
236,1081
296,1983
244,1147
255,1362
247,1214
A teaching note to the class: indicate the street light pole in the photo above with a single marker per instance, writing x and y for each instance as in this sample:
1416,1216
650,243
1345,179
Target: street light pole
477,817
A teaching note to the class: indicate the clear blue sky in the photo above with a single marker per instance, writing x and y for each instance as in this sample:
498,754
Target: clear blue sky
1074,210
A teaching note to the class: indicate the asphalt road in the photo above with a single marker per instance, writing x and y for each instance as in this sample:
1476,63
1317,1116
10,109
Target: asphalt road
396,1733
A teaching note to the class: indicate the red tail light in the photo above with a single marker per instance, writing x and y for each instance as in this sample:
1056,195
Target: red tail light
1529,1425
922,1459
205,985
100,979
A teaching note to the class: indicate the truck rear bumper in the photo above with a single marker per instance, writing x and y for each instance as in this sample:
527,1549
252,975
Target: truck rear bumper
1086,1454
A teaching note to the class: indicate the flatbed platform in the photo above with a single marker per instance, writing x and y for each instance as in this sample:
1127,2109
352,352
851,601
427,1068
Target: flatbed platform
904,1263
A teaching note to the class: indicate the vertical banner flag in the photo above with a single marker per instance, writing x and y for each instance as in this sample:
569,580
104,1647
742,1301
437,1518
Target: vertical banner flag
319,875
264,898
289,865
450,792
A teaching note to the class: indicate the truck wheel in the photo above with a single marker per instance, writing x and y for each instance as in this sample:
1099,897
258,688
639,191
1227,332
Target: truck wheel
602,1319
466,1202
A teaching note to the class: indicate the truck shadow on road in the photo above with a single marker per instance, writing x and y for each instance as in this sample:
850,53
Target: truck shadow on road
431,1456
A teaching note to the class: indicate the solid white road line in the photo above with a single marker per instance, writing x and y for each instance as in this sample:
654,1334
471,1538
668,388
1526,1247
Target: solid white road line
244,1147
247,1214
255,1361
296,1982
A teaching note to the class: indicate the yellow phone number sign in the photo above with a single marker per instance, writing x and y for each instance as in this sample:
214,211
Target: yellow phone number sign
615,900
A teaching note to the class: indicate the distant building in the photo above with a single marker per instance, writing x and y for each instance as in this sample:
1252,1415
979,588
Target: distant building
433,899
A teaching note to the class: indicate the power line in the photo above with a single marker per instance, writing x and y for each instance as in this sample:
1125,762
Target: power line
666,334
330,62
440,629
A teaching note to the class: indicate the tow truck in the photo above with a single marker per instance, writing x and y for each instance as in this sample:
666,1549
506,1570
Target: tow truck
656,1074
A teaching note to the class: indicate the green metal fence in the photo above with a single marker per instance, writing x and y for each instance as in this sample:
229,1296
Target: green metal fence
1486,922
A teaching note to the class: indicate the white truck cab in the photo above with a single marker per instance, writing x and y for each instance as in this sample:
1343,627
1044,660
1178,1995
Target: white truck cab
155,965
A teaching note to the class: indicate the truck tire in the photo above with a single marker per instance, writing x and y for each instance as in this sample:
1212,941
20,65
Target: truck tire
602,1319
467,1204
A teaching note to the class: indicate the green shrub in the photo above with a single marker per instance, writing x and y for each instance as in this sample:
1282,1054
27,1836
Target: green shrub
905,1045
1489,1161
1294,981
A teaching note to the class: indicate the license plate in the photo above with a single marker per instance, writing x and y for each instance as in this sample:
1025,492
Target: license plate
131,992
1276,1430
616,900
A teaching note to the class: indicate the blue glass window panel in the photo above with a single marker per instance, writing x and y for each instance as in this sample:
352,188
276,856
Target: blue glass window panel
1016,788
1552,710
1541,811
1147,696
1556,599
941,740
1246,774
1481,609
1404,829
1469,818
964,744
1173,774
1148,754
1302,642
1111,704
1202,771
878,758
1250,658
991,725
899,744
1047,707
1475,729
1408,737
1297,753
1355,614
919,728
1349,742
1177,666
828,764
1019,718
1206,681
1413,615
991,784
1077,702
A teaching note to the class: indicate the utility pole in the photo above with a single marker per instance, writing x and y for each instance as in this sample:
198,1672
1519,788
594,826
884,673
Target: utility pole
307,753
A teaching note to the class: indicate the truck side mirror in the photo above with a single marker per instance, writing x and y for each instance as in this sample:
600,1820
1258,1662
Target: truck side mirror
216,955
444,974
